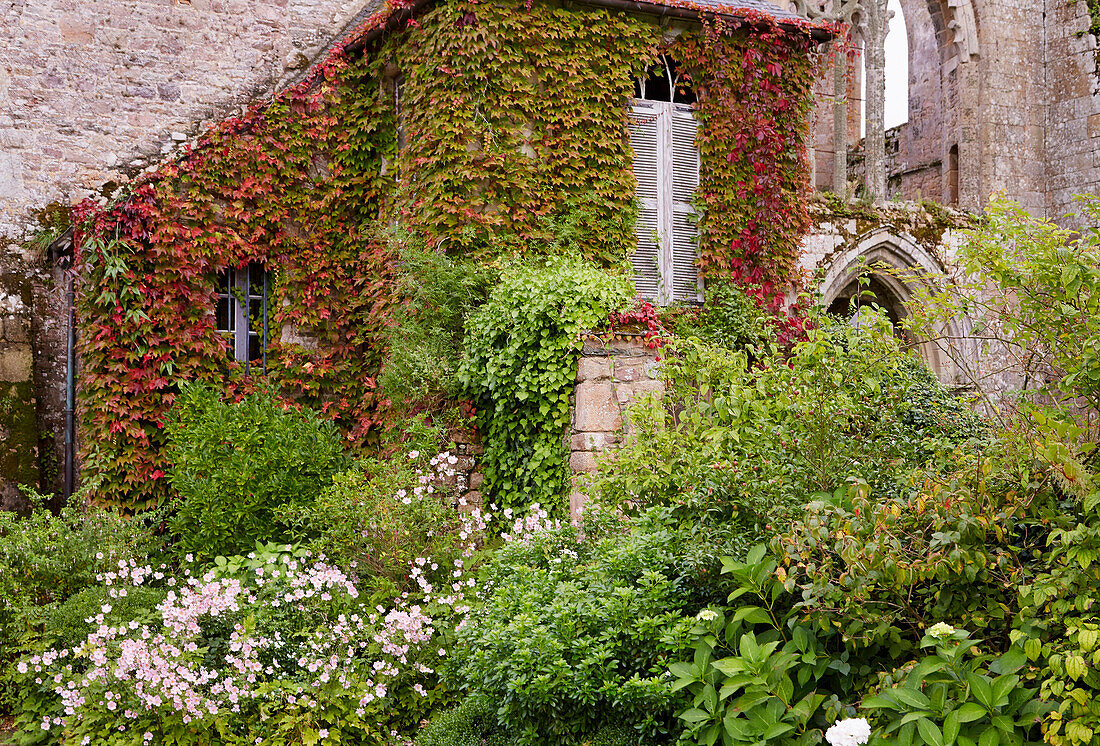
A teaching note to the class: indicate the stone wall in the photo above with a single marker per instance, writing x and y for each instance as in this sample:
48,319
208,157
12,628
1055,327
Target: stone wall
1073,117
1004,96
18,424
91,92
614,372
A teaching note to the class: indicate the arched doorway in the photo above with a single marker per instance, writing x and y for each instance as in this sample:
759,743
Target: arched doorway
864,274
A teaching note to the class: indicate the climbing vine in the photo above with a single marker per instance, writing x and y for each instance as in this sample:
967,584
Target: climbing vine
754,94
482,130
522,351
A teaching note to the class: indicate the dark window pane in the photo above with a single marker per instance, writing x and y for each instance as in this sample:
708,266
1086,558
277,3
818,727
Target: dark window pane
656,84
255,278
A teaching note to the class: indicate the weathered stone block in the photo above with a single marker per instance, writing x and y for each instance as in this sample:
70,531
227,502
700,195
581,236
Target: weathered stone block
596,410
1094,125
592,441
593,369
16,364
16,329
582,462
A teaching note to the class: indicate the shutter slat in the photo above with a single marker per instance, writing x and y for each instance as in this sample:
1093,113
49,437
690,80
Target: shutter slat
643,140
685,275
647,273
685,155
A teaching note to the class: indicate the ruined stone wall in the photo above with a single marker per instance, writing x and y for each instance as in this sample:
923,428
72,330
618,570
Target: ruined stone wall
1004,97
1073,128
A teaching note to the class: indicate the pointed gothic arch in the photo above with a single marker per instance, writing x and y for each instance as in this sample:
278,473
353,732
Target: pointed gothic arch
872,258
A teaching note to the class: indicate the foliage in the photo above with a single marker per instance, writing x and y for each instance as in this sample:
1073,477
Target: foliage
882,569
234,465
424,342
271,648
506,135
730,319
471,723
756,674
574,634
283,186
522,350
956,696
1033,292
386,516
749,446
47,559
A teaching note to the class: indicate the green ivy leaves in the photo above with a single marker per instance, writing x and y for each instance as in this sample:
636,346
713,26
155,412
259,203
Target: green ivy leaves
522,349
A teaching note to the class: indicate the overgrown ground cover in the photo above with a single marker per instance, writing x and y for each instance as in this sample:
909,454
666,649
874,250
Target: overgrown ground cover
798,535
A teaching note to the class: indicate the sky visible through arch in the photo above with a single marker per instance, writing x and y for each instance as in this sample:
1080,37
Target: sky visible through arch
897,69
896,110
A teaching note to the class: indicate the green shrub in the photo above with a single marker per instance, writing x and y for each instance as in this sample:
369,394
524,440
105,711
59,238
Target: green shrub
751,444
469,724
757,674
729,318
380,517
571,636
956,695
46,559
424,341
234,465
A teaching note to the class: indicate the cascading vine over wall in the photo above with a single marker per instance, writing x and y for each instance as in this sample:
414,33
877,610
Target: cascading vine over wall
512,121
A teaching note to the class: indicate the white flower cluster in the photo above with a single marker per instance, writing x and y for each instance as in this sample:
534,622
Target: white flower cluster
852,732
941,630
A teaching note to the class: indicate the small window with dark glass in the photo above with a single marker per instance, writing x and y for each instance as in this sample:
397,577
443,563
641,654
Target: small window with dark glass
242,313
663,129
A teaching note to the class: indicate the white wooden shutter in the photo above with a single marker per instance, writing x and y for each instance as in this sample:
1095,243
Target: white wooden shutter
646,143
685,180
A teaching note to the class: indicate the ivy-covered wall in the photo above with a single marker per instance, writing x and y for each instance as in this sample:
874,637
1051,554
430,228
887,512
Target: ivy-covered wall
480,129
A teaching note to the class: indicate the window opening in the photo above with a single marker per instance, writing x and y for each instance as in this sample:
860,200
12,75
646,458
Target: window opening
666,168
241,316
664,81
896,74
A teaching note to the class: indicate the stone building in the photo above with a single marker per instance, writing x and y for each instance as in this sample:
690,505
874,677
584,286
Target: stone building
1004,95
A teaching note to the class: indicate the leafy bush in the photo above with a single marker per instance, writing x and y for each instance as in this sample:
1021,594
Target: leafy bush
424,341
729,318
571,635
957,696
271,648
522,349
472,723
384,515
45,560
235,465
758,674
750,445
